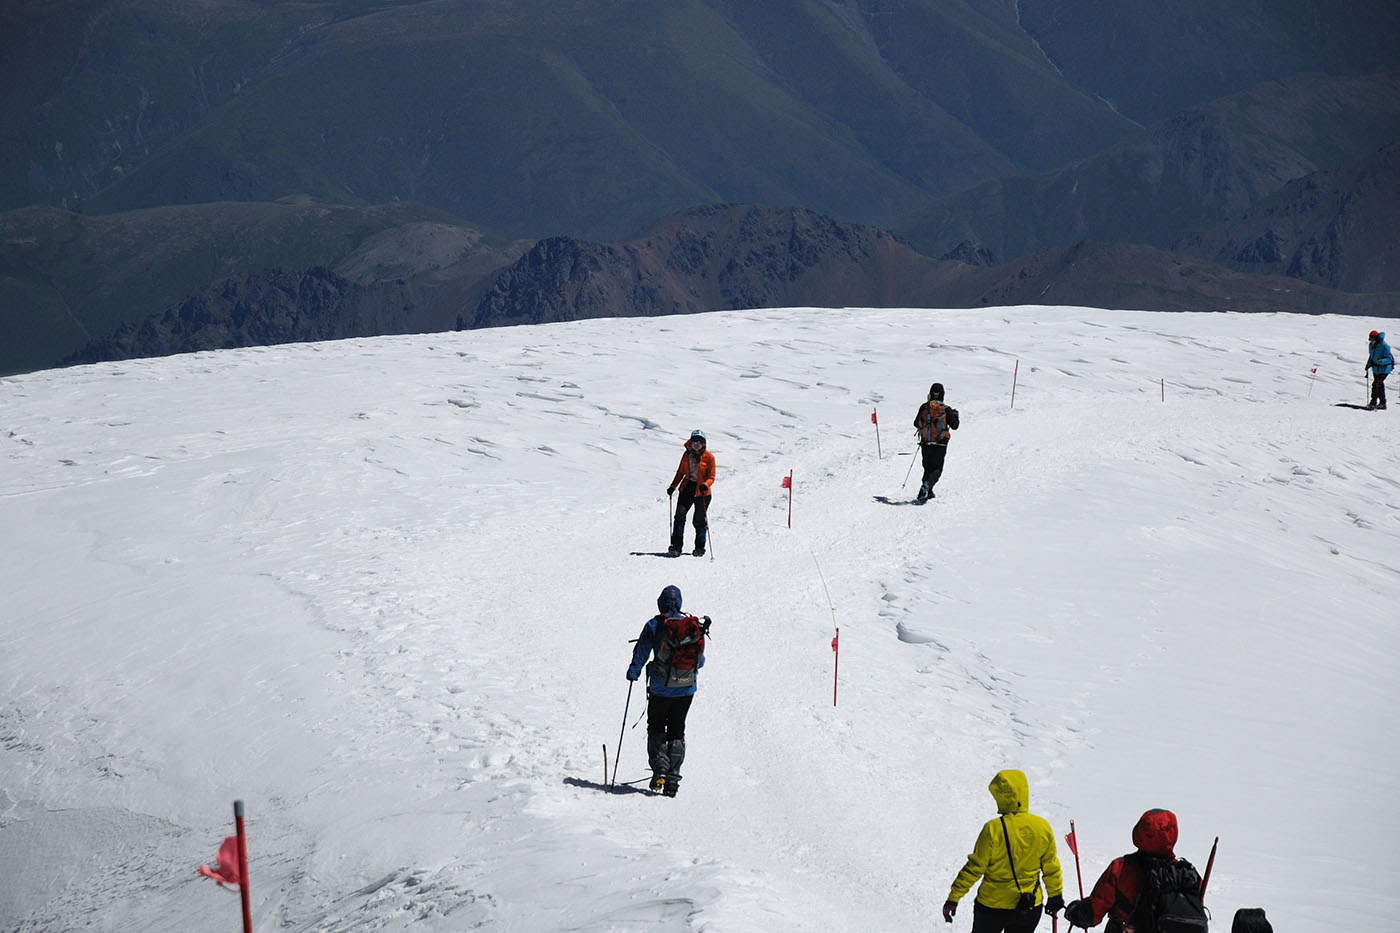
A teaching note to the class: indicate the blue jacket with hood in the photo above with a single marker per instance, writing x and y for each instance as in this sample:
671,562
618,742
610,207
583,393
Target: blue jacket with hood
1381,362
669,602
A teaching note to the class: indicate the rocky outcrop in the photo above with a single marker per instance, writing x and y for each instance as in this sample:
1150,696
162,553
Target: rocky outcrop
707,259
260,309
1336,229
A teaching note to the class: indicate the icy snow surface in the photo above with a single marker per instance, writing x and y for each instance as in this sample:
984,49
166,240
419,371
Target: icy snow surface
382,591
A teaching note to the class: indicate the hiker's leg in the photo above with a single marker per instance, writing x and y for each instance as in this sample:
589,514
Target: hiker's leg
702,521
683,504
933,463
657,712
675,735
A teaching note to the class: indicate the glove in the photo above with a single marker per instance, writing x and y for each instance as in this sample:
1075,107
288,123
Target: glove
631,676
670,490
1054,905
949,908
1080,913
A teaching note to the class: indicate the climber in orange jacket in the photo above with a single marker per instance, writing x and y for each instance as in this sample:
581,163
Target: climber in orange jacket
694,477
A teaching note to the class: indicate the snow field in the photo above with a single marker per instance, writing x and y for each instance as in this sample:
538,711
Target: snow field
382,590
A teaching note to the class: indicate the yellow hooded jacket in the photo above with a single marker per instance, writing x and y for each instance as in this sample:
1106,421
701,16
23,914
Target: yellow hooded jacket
1032,849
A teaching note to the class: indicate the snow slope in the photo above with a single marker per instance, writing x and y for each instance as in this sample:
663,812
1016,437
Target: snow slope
382,590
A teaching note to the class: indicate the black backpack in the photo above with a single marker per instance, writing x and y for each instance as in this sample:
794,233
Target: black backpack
1170,899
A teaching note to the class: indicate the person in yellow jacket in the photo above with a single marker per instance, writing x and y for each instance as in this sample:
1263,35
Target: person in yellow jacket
1012,853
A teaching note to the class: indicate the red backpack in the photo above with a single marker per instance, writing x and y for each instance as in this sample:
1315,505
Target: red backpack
682,644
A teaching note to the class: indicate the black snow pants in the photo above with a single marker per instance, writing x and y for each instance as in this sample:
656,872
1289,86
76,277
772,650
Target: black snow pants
997,920
933,463
666,734
702,521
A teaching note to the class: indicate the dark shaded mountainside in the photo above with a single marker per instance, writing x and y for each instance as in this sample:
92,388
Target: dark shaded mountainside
1339,229
395,161
711,258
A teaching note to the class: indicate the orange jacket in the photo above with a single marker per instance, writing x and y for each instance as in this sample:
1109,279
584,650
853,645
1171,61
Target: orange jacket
705,473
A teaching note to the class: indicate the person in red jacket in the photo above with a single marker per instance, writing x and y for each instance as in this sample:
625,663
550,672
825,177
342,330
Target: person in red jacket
1116,893
694,477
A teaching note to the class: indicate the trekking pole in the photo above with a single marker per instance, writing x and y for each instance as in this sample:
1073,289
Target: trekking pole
668,511
910,473
625,710
1210,863
835,641
710,541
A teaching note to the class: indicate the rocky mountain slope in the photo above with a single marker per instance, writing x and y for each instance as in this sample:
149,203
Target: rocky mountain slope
705,259
1337,229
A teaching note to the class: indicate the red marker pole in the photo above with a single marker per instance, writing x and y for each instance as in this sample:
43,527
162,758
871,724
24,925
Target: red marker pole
788,483
1014,373
1164,389
1073,841
242,866
876,421
836,667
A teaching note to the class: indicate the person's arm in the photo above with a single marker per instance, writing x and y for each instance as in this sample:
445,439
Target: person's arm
1050,865
642,651
974,868
678,478
707,474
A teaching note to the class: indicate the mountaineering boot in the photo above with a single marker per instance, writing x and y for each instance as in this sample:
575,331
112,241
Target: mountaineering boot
699,551
673,784
673,551
658,785
924,493
1370,406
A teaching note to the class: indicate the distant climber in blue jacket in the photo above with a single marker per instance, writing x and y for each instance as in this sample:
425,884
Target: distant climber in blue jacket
1379,364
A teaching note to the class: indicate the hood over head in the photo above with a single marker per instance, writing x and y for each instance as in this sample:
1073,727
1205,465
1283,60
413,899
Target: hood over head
1155,833
1011,791
669,600
935,392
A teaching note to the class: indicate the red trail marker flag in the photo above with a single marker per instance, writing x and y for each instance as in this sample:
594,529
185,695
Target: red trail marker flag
225,870
1072,840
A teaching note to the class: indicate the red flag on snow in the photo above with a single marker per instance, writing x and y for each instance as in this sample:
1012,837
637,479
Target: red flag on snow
1314,369
787,482
873,419
834,641
226,870
1072,843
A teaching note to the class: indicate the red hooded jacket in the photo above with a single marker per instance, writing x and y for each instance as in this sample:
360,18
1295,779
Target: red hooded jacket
1116,892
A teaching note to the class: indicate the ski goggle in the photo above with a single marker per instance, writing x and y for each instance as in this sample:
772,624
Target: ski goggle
696,444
